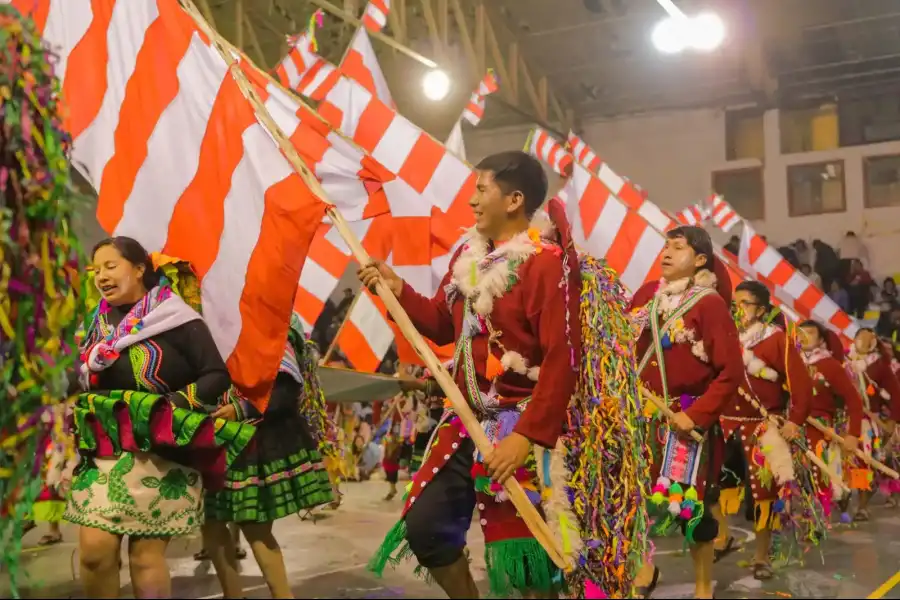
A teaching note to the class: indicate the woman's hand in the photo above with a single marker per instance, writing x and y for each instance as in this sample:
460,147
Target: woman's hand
226,411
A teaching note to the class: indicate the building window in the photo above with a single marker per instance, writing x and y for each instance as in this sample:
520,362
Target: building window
809,129
816,189
744,136
743,190
882,181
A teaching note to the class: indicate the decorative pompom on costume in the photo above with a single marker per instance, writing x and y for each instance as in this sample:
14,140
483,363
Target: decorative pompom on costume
40,262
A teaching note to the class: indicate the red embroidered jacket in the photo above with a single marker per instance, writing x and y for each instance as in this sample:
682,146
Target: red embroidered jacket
715,381
532,319
782,357
884,378
830,378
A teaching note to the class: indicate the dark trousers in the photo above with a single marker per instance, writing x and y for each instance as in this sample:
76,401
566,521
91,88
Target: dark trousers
438,521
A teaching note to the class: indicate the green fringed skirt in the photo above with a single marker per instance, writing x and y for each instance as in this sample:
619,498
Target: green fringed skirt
280,475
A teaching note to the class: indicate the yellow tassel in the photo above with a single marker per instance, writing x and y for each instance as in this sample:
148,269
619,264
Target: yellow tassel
730,500
564,531
763,514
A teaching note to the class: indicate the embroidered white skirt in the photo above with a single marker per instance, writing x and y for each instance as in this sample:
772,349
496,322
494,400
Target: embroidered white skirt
136,494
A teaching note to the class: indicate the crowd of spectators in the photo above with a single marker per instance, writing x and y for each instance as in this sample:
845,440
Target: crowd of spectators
843,273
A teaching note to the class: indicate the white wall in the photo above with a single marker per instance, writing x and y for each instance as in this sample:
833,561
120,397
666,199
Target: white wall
673,155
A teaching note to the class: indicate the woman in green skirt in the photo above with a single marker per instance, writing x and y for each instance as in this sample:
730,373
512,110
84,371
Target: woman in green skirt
282,474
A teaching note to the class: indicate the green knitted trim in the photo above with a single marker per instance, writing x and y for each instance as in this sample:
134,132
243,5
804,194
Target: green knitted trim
233,436
393,550
297,482
519,565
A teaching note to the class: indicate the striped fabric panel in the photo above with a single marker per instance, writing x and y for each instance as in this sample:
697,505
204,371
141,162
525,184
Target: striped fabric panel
695,214
605,227
361,65
723,215
474,111
302,69
376,15
757,256
544,146
163,134
583,153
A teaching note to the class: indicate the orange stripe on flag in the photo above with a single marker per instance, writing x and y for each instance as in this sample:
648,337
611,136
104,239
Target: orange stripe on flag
422,162
86,72
373,122
357,350
810,297
627,238
782,272
150,90
289,221
591,204
198,218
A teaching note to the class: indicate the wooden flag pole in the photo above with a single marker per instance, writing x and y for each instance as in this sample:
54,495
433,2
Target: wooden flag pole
821,464
525,508
661,405
875,464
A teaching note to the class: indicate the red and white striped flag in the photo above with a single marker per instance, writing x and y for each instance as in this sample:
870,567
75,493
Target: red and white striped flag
761,259
376,14
583,153
360,62
473,113
474,110
181,163
545,147
694,214
723,215
605,227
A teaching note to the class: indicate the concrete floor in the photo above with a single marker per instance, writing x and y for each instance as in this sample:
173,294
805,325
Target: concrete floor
326,559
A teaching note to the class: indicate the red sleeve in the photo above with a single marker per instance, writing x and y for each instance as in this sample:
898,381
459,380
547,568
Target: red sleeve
801,384
432,316
720,340
643,295
545,307
841,385
888,381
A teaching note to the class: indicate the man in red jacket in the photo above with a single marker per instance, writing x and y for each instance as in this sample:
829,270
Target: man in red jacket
504,304
777,379
690,356
824,356
870,361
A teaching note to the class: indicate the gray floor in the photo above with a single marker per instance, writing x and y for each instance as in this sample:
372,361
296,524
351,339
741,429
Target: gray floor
327,559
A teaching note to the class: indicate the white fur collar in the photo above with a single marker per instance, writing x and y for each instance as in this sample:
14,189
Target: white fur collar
859,363
482,275
755,366
756,333
815,355
671,293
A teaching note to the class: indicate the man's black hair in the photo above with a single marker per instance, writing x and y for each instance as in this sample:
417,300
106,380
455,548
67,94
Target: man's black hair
698,239
516,171
759,292
823,335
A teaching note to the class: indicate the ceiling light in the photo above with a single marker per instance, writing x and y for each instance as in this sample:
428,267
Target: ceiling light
707,32
436,85
670,35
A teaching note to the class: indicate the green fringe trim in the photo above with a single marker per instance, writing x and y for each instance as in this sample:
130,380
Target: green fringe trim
393,550
232,436
519,565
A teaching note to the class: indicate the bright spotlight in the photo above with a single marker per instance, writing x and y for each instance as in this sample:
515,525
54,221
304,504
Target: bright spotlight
436,85
707,32
669,35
